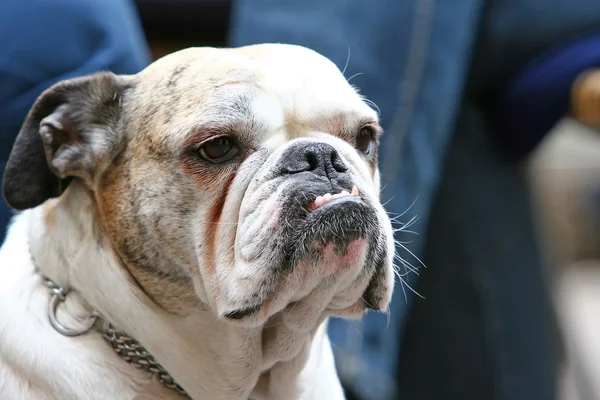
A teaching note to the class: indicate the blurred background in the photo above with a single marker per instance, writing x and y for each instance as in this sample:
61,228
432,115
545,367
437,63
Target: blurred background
500,169
184,23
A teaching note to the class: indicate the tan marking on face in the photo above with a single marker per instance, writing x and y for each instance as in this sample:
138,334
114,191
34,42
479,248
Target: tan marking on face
117,218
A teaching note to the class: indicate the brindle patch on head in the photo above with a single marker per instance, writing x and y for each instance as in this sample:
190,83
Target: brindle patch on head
176,75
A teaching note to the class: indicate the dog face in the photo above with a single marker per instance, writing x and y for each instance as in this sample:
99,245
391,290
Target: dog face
243,179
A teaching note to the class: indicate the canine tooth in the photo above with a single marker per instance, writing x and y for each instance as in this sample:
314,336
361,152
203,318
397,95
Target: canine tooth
354,191
327,197
318,201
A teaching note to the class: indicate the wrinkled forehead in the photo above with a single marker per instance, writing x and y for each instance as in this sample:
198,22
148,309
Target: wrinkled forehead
287,91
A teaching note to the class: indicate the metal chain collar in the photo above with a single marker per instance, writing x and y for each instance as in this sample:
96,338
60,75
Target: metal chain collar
126,347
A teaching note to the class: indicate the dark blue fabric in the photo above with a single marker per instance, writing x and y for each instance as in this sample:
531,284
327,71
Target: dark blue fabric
5,211
538,95
43,42
486,328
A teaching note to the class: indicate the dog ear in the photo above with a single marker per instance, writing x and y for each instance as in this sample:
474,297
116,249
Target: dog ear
69,127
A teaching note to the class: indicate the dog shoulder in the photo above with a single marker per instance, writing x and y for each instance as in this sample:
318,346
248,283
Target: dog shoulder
36,362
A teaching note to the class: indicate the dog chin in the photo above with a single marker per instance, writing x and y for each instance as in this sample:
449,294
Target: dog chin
324,254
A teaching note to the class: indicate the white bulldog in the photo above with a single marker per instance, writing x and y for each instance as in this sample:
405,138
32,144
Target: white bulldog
215,208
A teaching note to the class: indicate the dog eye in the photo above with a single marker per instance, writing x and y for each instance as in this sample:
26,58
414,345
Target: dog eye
219,150
364,140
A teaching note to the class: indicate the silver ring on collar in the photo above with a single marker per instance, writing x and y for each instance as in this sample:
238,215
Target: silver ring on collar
58,296
126,347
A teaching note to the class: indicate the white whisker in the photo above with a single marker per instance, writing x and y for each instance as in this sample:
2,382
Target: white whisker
372,103
354,76
412,254
347,61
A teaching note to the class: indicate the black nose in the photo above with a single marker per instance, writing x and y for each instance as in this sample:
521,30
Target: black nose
319,158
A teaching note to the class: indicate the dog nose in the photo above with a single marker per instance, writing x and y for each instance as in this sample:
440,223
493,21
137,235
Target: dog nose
316,157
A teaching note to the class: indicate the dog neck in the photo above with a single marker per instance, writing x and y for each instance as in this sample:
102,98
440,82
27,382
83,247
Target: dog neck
210,358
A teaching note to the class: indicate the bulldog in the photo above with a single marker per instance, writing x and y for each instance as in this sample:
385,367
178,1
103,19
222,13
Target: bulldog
204,218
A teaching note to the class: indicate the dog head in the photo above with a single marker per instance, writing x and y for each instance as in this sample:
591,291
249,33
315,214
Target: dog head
242,179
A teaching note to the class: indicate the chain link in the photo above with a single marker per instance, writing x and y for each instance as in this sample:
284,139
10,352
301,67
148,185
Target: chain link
135,354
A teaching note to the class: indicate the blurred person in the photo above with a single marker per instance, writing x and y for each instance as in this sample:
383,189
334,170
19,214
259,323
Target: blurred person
43,42
465,90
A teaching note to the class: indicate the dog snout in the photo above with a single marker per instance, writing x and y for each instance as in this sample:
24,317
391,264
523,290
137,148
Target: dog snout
318,158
